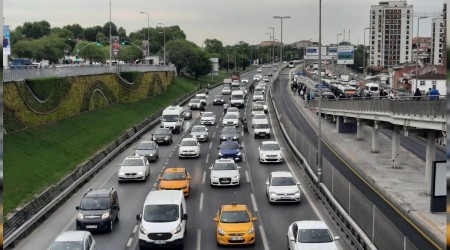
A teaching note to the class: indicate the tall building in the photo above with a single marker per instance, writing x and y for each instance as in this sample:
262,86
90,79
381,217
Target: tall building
438,45
390,33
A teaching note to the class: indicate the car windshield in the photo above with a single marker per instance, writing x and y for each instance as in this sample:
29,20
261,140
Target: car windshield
67,245
257,107
229,130
270,146
230,116
161,213
146,146
201,97
260,102
259,117
314,236
170,118
188,143
132,162
173,176
208,114
195,101
218,97
233,110
226,88
237,97
230,146
224,166
234,217
283,181
258,93
198,129
261,125
162,131
95,203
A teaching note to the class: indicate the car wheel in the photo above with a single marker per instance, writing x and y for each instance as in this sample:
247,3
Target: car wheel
182,244
118,216
111,226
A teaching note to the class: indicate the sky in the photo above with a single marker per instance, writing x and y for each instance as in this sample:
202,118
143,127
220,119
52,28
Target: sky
229,21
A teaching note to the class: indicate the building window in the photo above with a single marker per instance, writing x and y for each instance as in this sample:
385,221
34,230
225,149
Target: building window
422,83
433,82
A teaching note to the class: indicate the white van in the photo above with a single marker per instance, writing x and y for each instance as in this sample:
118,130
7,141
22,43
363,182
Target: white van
163,220
237,98
372,89
202,98
172,117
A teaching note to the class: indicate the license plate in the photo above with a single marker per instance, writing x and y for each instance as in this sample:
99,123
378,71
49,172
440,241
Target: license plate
263,134
285,198
225,182
91,226
236,238
160,242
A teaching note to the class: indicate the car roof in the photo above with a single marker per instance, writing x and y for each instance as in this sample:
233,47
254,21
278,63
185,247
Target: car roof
175,170
229,142
311,224
224,161
189,139
269,142
134,157
281,174
202,126
164,197
234,207
72,236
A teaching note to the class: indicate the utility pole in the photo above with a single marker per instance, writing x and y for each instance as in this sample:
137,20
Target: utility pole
281,46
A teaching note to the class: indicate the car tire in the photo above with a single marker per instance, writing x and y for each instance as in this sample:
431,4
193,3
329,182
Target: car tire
111,226
118,216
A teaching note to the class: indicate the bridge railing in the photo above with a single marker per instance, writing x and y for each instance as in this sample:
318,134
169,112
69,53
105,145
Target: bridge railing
399,106
75,70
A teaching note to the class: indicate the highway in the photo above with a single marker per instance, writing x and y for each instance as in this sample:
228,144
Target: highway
204,200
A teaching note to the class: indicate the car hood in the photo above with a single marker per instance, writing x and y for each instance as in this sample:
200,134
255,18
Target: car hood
96,214
208,118
284,189
145,151
229,151
224,173
199,133
173,184
236,227
317,246
229,135
160,227
188,147
271,152
132,169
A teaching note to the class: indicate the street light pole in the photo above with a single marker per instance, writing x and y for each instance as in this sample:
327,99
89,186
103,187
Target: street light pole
337,39
148,34
273,45
417,49
110,38
164,42
364,51
319,136
270,39
281,47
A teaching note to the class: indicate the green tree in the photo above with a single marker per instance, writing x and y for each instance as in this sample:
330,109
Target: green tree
122,33
129,53
90,33
23,48
213,46
358,59
90,51
76,29
180,52
17,35
199,63
50,48
105,29
36,29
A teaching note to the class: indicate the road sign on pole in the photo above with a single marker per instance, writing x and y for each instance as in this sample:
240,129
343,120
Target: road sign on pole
345,54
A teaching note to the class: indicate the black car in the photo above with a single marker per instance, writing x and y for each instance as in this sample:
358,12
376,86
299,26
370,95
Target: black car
162,136
187,114
98,210
218,100
229,133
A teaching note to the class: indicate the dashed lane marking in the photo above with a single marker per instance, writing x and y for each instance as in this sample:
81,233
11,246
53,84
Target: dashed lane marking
135,228
264,238
210,144
204,177
199,239
255,207
207,158
247,177
201,202
129,242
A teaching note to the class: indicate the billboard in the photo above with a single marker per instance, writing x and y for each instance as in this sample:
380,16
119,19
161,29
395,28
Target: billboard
145,47
332,51
6,40
345,54
312,51
115,45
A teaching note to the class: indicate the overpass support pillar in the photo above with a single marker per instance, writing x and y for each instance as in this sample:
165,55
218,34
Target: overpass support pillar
430,157
375,138
359,130
395,146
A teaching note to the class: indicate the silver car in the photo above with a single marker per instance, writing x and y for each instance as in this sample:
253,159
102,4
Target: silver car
133,168
149,149
200,132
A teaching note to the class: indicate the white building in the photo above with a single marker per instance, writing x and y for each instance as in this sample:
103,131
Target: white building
391,33
437,41
426,82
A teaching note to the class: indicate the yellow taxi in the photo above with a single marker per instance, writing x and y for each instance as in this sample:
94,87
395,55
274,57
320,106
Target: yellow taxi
235,225
175,179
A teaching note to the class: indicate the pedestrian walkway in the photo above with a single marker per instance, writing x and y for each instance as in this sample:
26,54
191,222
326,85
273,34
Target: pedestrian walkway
404,186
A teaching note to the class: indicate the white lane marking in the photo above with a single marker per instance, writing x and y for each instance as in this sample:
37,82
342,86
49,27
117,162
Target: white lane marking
135,228
255,207
201,202
69,224
207,158
129,242
210,144
199,238
154,184
242,133
264,238
214,134
247,177
217,126
243,157
204,177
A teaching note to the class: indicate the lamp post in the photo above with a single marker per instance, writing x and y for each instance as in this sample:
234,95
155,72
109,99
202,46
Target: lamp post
337,38
273,45
148,34
270,39
281,46
110,41
417,49
319,136
228,59
364,51
164,42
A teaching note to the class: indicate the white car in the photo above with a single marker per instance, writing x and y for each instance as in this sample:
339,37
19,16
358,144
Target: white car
224,172
200,132
208,118
189,147
259,70
259,88
266,78
226,91
257,108
230,120
235,83
261,130
133,168
195,103
262,102
234,110
258,95
282,187
244,80
259,118
270,151
82,240
312,234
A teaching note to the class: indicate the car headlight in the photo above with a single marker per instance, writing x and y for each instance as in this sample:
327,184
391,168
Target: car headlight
220,231
223,137
80,216
220,154
252,230
142,230
238,153
272,193
121,173
105,215
235,137
213,177
176,230
140,172
167,137
297,193
150,155
236,177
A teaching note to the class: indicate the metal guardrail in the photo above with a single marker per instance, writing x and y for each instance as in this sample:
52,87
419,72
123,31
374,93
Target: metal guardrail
75,70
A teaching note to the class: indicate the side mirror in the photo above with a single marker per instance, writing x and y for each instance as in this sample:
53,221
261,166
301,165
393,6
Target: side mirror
291,238
211,167
139,217
216,219
115,207
77,208
254,218
218,147
206,130
238,167
185,217
189,177
267,183
336,237
240,147
282,148
299,184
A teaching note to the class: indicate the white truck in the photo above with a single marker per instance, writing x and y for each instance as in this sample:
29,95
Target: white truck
172,117
345,78
227,81
237,98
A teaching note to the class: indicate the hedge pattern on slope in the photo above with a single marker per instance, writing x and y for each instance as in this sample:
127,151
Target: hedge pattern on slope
90,93
10,120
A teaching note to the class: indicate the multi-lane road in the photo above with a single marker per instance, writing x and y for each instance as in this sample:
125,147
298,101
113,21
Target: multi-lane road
204,200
